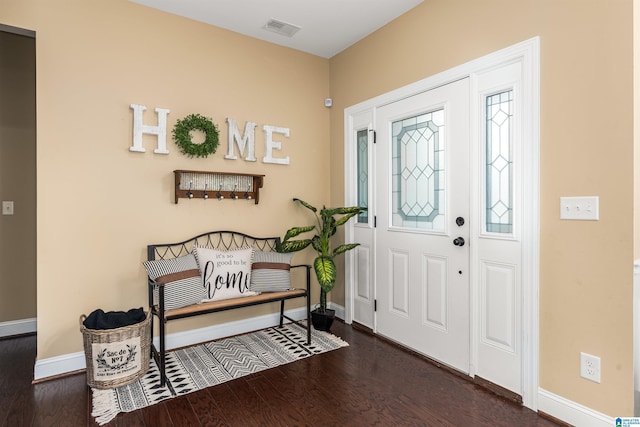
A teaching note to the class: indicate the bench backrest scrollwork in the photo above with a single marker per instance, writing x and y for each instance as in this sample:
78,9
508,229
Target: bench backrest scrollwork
221,240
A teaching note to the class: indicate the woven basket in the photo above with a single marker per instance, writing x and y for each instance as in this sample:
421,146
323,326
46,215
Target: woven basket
118,356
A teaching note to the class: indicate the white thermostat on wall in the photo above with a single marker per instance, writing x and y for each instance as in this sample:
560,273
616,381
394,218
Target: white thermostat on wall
328,102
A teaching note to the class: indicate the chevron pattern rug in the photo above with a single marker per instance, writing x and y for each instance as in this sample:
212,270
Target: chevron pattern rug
194,368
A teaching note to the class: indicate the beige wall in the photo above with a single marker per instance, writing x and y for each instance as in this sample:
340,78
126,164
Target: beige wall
586,149
17,177
636,128
99,204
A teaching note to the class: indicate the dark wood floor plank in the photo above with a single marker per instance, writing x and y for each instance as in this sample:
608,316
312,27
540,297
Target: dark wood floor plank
156,416
62,399
429,386
17,357
129,419
181,412
298,385
230,405
371,406
288,414
355,375
252,402
208,412
372,382
21,407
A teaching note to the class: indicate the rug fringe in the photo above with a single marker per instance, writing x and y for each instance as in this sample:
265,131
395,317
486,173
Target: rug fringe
104,406
328,335
337,340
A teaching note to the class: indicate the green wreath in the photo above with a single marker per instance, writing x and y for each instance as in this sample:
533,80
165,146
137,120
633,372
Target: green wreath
183,139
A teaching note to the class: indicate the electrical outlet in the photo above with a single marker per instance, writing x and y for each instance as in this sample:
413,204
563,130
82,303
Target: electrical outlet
590,367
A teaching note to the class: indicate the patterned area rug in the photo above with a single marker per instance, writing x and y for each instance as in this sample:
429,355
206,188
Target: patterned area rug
194,368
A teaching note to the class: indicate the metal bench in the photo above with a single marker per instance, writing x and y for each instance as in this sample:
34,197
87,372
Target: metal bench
222,240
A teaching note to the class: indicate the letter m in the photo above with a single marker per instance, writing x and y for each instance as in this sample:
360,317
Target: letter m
247,141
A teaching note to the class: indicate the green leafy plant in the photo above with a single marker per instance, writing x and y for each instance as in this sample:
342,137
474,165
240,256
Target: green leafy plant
182,135
327,222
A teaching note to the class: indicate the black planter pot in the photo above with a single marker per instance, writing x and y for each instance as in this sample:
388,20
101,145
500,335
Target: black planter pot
323,321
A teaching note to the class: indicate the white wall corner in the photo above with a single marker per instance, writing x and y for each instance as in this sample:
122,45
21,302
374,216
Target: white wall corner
18,327
67,363
571,412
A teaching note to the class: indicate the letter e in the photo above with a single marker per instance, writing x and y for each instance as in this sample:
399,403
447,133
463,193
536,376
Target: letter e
270,145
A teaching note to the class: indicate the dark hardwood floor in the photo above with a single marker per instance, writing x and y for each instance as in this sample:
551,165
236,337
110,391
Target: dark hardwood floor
369,383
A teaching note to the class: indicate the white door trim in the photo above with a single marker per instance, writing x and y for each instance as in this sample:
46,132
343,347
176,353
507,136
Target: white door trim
528,53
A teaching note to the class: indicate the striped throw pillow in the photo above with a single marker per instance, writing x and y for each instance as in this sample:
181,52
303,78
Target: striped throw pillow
182,279
270,271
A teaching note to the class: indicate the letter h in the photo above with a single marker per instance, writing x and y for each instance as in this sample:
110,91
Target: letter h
138,129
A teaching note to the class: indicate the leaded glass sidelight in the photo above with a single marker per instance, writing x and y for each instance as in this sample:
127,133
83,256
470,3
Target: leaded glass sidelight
418,171
499,163
362,137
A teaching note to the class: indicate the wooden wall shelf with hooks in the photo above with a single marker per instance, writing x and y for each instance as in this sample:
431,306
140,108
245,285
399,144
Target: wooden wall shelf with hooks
217,185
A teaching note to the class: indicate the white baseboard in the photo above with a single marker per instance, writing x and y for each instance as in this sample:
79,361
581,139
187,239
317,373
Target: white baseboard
58,365
338,308
18,327
571,412
208,333
66,363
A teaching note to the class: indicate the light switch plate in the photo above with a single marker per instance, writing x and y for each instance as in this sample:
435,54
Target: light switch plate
580,208
7,207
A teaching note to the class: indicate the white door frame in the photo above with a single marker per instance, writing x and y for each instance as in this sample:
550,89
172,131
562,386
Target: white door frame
528,53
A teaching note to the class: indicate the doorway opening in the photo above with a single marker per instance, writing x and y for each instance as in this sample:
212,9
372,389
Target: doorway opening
409,273
17,181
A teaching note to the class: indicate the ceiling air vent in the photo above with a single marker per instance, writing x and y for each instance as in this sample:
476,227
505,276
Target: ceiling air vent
281,28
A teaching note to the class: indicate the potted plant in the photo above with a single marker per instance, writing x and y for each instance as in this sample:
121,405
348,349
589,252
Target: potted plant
327,222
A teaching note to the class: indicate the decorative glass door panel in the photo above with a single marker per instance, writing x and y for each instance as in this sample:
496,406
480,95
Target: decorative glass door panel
499,163
418,171
362,138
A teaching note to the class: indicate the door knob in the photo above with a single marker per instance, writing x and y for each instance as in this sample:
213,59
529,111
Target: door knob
458,241
459,221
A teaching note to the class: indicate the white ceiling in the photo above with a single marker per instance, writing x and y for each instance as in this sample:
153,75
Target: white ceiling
327,26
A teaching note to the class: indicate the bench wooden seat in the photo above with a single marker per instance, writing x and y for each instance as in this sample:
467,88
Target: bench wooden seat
222,240
228,304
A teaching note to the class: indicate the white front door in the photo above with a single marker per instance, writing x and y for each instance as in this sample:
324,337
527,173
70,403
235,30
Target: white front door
470,150
422,233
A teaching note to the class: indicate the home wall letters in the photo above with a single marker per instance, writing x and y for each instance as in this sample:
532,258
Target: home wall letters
244,142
